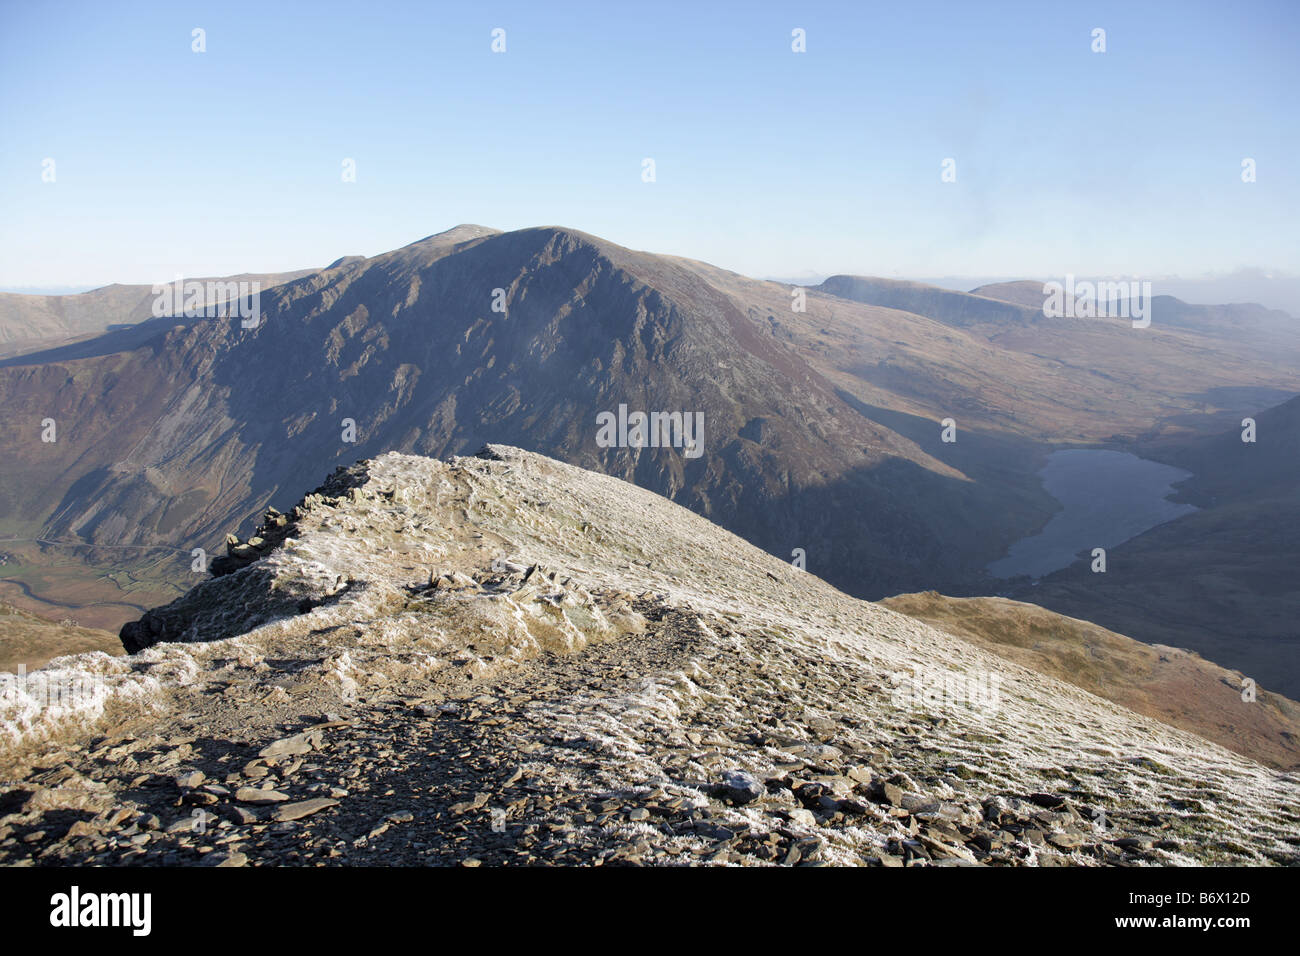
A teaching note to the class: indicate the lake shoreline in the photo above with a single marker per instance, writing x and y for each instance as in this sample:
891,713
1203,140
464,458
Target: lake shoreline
1107,497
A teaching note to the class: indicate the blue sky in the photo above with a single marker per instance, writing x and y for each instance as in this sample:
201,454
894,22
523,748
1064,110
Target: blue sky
768,162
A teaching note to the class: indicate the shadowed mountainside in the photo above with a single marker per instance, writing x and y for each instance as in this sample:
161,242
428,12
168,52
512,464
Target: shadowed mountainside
204,424
821,425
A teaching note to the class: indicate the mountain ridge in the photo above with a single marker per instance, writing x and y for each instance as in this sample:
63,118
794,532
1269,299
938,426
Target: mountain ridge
625,683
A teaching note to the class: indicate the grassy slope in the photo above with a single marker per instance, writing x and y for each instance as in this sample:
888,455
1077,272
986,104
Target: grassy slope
34,641
1175,686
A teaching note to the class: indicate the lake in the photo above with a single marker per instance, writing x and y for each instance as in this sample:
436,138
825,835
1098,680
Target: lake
1106,498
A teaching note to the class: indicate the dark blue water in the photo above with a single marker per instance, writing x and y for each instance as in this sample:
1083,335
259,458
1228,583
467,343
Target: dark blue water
1107,497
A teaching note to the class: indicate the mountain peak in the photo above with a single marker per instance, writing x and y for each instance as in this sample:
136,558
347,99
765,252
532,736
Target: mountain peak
465,232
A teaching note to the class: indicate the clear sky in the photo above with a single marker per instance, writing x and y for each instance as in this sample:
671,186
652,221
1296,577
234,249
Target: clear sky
768,162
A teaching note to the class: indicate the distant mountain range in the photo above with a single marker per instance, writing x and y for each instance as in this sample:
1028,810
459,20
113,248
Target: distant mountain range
1274,291
822,408
30,322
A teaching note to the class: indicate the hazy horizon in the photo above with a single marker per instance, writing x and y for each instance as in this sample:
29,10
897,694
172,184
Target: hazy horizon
132,157
1274,290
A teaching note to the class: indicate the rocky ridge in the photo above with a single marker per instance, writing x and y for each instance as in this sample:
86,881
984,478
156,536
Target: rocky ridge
503,659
